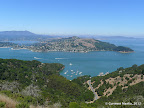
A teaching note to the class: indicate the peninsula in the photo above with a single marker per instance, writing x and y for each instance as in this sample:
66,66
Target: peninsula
76,44
70,44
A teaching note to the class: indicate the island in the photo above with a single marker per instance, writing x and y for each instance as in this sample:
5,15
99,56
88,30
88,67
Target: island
76,44
70,44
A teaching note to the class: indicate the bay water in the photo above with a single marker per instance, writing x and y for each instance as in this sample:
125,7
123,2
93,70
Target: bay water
91,63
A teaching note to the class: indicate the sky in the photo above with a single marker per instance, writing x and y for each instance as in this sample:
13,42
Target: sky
74,17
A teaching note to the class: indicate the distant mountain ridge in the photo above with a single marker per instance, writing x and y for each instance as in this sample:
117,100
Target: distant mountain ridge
21,35
27,35
106,37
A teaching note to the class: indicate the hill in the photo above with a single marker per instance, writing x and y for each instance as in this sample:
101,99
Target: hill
76,44
21,35
39,84
122,86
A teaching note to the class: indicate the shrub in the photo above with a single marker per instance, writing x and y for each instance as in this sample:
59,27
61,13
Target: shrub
22,105
2,104
127,78
122,79
130,81
131,75
118,83
73,105
141,76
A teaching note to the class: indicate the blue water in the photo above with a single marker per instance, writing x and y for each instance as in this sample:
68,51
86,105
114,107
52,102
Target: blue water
91,63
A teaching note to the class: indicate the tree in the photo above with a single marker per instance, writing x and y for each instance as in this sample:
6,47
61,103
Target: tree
143,72
74,105
134,66
121,68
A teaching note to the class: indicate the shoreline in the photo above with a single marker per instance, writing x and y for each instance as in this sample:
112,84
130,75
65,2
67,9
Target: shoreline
79,51
66,51
5,47
126,52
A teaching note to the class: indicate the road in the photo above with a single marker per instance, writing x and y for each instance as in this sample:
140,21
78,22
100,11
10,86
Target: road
95,95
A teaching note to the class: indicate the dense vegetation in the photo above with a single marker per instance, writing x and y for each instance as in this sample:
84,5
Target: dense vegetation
133,94
27,72
39,83
36,83
123,49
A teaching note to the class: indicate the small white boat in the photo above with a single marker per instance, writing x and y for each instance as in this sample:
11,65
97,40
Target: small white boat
66,72
70,64
37,58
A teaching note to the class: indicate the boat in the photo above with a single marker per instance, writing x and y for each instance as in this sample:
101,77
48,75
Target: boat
37,58
70,64
66,72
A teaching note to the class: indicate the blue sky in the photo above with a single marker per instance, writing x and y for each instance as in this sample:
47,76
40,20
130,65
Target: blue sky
74,17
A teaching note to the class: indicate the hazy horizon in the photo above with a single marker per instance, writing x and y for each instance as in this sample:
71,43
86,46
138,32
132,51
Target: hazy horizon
79,35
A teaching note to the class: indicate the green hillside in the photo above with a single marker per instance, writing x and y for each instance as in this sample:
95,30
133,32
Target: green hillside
40,84
33,82
123,85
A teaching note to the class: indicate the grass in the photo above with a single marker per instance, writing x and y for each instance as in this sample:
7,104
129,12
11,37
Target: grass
9,102
6,102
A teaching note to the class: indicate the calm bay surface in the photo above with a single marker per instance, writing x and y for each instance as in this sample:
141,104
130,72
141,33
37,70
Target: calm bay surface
91,63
